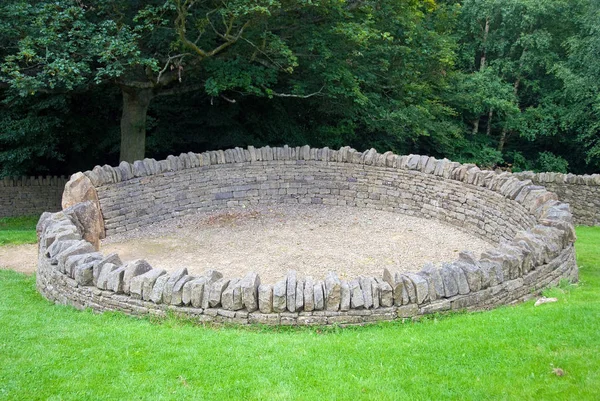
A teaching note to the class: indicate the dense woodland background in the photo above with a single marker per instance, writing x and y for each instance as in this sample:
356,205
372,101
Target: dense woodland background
509,83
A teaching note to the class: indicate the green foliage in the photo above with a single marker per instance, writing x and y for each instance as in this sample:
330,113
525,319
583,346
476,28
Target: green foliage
407,76
548,161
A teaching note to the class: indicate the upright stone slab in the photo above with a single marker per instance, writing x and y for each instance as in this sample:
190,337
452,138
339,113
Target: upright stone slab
83,273
173,279
357,300
198,288
212,276
227,297
385,293
265,298
396,286
309,294
216,290
299,295
134,269
450,281
333,290
375,293
112,258
292,278
158,289
319,295
410,289
344,296
421,287
279,296
115,280
249,287
143,283
104,274
177,296
366,287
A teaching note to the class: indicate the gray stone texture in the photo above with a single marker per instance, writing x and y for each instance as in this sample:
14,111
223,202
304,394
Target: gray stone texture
533,228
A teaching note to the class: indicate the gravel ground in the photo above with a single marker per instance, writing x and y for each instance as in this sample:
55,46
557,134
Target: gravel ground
310,239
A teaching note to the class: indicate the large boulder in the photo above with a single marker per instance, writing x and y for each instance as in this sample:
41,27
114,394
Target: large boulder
79,189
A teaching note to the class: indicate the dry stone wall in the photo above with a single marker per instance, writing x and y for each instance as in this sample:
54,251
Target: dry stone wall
581,192
533,231
23,196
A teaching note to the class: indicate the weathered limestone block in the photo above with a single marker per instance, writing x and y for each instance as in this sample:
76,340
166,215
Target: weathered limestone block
216,290
333,291
461,279
114,282
299,295
449,278
227,297
249,287
472,273
409,286
491,270
59,246
79,248
197,289
309,294
345,296
385,293
80,189
265,298
98,266
104,275
366,284
133,269
83,273
319,295
421,287
357,301
396,285
141,286
279,296
88,217
375,293
212,276
177,295
434,281
292,278
174,277
59,232
156,295
75,260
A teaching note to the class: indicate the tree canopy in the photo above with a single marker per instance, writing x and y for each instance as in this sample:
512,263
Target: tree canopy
509,83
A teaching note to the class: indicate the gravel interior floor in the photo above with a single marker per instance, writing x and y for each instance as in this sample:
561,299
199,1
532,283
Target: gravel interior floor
309,239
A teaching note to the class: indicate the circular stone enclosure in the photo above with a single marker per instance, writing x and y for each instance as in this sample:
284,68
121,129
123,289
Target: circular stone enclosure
530,230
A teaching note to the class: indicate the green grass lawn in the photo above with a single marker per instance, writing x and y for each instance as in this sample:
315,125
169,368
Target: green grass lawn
18,230
58,353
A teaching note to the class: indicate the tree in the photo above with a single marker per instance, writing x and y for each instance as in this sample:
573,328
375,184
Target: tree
147,49
376,68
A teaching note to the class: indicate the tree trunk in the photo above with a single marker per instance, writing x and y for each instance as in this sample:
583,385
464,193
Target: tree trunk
488,130
475,126
502,141
486,31
133,123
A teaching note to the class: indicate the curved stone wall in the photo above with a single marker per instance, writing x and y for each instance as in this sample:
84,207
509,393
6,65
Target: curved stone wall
532,229
581,192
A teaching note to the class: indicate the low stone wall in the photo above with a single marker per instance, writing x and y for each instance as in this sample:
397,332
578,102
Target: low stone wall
533,230
581,192
23,196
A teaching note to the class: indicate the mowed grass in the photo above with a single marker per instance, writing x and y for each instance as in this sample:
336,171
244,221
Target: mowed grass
550,352
18,230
